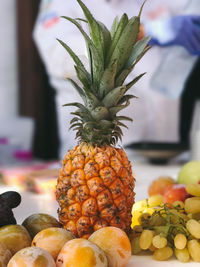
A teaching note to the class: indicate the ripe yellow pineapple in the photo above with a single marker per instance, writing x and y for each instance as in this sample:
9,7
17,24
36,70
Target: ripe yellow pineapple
95,187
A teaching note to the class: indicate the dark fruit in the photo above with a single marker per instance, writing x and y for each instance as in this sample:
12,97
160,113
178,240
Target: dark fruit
6,215
8,201
12,199
39,221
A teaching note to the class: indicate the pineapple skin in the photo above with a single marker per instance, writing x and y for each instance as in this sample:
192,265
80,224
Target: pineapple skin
95,189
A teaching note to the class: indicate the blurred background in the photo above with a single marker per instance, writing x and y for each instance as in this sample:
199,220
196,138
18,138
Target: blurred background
27,109
29,120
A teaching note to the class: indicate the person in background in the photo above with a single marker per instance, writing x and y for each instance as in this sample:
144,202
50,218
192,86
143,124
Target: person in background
155,114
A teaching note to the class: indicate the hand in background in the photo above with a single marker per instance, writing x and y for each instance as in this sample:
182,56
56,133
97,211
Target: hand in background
184,31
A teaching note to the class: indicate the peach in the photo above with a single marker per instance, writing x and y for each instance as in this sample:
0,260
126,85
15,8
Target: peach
82,253
52,240
115,243
32,257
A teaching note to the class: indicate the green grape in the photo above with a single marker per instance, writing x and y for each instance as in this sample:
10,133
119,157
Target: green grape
180,241
135,245
155,201
178,204
194,249
193,189
159,241
195,216
146,239
137,230
159,229
144,219
194,228
163,254
192,205
177,216
182,254
157,220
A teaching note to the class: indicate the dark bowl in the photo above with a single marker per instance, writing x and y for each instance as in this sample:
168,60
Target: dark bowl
157,152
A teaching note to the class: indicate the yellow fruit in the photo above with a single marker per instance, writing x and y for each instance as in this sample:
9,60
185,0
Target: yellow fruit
52,240
180,241
194,249
115,243
155,200
80,252
182,254
135,218
95,189
32,257
163,254
15,237
193,189
5,255
189,173
146,239
192,205
140,205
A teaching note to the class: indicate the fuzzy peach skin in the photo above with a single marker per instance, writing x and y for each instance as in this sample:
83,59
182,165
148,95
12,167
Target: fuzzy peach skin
52,240
32,257
80,252
115,243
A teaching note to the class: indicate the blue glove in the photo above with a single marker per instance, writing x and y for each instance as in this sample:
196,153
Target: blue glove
180,30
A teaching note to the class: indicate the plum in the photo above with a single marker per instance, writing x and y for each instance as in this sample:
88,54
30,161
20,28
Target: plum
39,221
15,237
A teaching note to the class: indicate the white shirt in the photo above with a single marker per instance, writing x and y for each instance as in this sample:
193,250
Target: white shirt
155,116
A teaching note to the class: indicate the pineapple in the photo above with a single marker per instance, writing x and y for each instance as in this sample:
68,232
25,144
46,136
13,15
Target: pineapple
95,187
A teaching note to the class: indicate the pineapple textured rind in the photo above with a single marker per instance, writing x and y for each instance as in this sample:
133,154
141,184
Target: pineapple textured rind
95,189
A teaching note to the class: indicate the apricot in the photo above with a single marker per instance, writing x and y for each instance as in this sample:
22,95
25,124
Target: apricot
115,243
52,240
32,257
82,253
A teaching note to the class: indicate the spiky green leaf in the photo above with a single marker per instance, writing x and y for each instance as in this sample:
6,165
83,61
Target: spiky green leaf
112,98
135,80
137,50
83,78
95,29
96,59
108,79
78,89
120,28
125,98
124,46
114,26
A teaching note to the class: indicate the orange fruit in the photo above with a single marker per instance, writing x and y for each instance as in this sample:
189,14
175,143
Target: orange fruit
115,243
158,186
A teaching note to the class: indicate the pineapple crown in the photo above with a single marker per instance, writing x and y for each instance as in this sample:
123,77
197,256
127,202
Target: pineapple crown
112,56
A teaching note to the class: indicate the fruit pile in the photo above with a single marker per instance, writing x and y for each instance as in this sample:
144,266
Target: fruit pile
166,229
40,241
